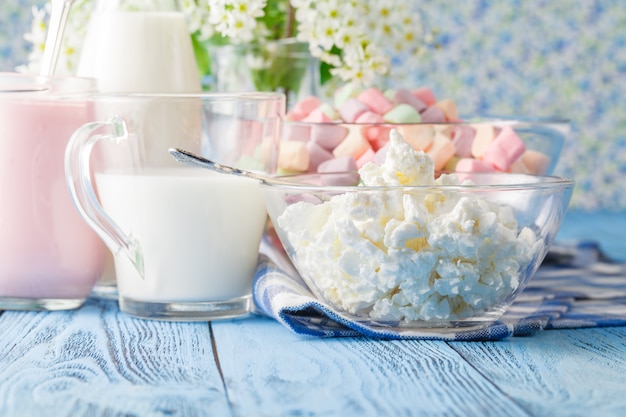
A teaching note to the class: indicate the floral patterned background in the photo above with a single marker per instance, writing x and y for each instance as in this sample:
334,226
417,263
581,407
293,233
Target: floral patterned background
520,57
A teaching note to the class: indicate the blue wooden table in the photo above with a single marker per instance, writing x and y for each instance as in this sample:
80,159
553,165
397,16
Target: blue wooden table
97,361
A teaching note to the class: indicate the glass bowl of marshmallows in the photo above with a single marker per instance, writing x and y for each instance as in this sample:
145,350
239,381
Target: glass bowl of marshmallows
353,129
400,243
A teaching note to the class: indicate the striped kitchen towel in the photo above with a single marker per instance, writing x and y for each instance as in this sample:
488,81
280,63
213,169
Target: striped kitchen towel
575,287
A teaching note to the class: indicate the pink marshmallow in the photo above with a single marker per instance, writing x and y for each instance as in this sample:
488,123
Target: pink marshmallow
441,150
433,114
372,133
377,136
351,110
346,170
381,155
370,117
354,145
293,156
375,100
404,96
317,116
473,165
342,164
296,131
294,117
462,138
328,136
368,156
504,149
485,134
425,95
304,107
317,155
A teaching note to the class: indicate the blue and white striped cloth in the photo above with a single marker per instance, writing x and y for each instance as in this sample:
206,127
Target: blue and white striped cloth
575,287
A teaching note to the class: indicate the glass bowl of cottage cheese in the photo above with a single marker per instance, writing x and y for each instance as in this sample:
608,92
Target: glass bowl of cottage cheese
400,244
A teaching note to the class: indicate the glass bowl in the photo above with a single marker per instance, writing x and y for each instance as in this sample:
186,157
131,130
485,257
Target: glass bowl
422,257
309,147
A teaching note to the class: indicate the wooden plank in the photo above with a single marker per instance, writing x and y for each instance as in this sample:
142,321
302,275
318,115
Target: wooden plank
97,361
604,227
580,372
268,368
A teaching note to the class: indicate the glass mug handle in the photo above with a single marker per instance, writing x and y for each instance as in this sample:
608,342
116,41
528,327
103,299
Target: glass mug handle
78,178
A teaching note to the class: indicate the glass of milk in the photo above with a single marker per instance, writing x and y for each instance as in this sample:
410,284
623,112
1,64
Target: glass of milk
139,46
50,258
185,240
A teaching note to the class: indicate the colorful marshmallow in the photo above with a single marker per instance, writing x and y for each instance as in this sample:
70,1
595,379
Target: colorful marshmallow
425,95
368,156
462,139
449,110
402,113
433,114
536,162
420,137
354,145
473,165
505,149
343,93
303,108
441,150
293,155
328,136
375,100
485,134
352,109
355,130
317,155
345,169
317,115
403,96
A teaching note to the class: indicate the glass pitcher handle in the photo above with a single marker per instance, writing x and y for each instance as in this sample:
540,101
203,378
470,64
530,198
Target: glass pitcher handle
78,178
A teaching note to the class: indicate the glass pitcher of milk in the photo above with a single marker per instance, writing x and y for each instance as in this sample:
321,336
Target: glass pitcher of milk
139,46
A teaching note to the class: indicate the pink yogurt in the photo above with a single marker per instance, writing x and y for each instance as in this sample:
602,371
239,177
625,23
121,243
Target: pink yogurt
47,250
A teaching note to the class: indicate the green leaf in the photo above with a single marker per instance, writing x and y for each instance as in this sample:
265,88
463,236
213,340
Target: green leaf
203,59
325,74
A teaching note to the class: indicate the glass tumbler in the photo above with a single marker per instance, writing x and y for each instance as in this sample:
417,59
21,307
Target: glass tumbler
50,258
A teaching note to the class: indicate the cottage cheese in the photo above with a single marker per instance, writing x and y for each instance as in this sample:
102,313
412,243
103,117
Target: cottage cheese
403,256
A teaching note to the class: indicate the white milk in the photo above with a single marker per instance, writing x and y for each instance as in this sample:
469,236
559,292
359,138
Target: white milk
199,232
139,52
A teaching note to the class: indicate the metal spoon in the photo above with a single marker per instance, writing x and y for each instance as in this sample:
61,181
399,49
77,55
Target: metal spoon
191,159
197,161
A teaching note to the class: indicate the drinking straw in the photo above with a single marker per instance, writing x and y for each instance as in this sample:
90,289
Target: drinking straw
58,19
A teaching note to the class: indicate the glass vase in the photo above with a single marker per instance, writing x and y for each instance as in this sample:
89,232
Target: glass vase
284,66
